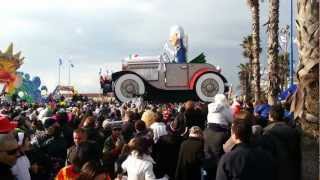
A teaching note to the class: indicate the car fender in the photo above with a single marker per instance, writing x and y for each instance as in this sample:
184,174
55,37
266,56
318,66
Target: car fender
116,75
200,72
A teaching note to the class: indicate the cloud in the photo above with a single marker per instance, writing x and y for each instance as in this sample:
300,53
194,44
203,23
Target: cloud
99,33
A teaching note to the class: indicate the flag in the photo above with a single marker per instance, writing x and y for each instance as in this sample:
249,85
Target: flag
60,61
71,64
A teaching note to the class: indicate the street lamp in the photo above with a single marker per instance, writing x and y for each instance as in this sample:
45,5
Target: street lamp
291,45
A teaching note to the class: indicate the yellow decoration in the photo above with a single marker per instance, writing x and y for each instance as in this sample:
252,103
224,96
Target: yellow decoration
9,63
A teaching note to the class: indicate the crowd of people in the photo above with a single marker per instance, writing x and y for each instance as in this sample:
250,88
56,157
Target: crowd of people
84,140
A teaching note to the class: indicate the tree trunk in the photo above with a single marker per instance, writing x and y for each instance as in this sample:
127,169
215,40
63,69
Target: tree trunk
306,101
256,48
250,80
273,64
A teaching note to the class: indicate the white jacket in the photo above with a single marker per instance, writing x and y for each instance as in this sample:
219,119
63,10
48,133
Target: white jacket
139,168
21,168
219,114
159,129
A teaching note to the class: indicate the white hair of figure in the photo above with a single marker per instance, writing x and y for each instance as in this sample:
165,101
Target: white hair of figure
176,29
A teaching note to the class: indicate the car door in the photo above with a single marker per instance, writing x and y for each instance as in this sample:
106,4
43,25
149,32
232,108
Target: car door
176,75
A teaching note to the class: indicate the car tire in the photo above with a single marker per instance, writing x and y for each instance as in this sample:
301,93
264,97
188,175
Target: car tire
208,85
128,86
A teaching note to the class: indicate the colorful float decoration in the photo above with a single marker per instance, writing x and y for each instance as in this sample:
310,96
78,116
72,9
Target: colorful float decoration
30,90
9,63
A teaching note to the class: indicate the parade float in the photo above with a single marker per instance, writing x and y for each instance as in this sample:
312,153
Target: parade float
9,63
30,89
18,84
168,76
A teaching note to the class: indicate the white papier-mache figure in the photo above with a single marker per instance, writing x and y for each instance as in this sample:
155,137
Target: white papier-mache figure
178,40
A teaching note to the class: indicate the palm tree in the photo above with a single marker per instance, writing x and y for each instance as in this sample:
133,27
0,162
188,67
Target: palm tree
247,45
283,70
248,53
306,101
244,75
254,7
272,29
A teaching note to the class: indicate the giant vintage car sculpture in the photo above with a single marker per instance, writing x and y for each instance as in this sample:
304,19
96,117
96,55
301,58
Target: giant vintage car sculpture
150,76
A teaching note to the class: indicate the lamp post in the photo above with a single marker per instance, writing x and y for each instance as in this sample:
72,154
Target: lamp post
291,44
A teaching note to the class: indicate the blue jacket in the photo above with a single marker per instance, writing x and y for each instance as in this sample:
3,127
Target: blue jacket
263,111
181,53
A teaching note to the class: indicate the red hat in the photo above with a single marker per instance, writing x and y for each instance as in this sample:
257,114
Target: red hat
6,125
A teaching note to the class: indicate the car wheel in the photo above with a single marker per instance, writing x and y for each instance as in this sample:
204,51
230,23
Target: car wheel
208,85
128,86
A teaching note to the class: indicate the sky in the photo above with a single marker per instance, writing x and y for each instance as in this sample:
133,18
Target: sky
94,34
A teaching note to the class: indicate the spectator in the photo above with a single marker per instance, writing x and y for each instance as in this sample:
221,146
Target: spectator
190,156
128,126
193,116
84,153
92,170
143,131
6,125
158,128
216,134
22,166
112,149
149,117
166,150
92,131
139,164
79,136
283,142
256,129
244,162
9,152
63,120
53,145
261,111
235,107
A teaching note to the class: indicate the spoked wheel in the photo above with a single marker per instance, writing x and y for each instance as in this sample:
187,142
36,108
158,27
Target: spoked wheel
208,85
128,86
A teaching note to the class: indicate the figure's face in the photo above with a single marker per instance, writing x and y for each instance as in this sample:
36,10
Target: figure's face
174,39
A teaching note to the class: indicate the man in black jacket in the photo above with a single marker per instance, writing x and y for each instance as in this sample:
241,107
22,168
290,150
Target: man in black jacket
190,156
244,162
283,142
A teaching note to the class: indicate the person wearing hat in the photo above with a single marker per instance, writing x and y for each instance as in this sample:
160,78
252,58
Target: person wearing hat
190,156
6,125
217,133
112,148
9,152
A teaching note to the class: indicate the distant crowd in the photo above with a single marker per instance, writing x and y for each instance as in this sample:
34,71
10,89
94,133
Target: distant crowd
87,140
